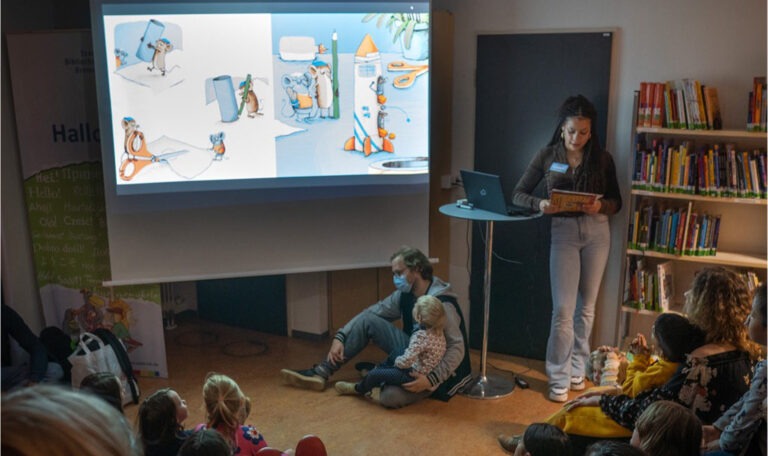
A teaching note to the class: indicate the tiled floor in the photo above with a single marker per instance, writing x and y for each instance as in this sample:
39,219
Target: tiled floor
348,425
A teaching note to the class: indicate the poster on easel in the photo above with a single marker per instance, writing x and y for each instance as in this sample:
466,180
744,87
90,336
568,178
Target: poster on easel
54,96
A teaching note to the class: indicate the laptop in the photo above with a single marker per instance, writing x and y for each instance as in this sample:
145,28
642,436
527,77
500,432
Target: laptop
484,191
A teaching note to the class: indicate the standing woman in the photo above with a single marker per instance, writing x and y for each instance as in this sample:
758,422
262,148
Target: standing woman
575,161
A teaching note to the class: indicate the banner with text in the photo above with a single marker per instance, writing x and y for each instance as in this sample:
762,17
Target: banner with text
54,96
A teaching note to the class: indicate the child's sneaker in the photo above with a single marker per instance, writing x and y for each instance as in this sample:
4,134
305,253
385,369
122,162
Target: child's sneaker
558,394
578,383
345,388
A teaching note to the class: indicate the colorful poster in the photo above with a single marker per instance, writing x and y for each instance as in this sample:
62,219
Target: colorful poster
54,95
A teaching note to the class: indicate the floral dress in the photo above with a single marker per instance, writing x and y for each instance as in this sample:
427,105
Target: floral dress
707,385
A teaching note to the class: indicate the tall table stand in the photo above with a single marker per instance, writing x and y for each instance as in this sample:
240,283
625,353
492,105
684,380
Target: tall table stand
485,386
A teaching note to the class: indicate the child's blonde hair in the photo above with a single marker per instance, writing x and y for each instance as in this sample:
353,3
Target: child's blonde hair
430,312
225,404
667,428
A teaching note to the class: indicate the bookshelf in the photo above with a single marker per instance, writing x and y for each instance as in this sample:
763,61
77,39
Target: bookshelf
734,235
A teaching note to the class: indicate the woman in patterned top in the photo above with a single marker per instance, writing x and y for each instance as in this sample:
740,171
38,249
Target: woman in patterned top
424,352
715,375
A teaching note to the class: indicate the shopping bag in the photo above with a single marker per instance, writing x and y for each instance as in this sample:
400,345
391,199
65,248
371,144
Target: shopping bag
94,355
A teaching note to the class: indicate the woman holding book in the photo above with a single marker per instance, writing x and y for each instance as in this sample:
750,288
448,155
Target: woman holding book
573,161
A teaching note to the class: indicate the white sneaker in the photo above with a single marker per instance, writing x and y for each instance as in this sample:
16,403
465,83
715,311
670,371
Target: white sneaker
578,383
558,394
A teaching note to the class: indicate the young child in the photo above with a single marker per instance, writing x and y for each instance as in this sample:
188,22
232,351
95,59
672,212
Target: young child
424,352
227,408
742,428
105,385
667,428
542,439
613,448
205,442
160,423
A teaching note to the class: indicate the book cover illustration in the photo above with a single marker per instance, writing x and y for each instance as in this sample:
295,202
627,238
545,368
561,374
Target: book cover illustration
567,201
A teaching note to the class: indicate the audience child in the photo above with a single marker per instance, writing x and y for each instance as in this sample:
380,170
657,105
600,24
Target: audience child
56,421
667,428
160,423
424,352
675,337
542,439
613,448
742,428
205,442
227,408
105,385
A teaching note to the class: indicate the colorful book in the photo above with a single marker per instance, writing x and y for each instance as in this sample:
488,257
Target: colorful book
657,107
664,271
712,104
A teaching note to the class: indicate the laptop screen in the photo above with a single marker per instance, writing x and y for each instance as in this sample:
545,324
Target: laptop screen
484,191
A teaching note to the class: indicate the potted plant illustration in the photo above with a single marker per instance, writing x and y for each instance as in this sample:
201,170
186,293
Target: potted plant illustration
411,29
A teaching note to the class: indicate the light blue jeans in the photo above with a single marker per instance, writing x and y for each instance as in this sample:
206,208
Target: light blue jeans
577,258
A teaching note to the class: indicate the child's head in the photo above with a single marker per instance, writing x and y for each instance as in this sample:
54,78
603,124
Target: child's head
225,404
756,321
429,311
613,448
719,303
161,416
205,442
667,428
676,336
105,385
541,439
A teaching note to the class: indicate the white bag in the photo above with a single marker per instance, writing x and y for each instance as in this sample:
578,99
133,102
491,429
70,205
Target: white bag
98,357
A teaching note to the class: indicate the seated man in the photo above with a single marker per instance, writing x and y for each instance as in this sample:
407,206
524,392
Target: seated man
413,278
39,369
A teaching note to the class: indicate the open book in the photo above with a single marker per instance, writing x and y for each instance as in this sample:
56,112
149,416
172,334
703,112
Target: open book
566,201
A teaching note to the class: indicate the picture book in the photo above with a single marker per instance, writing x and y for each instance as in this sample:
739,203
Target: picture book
565,201
666,285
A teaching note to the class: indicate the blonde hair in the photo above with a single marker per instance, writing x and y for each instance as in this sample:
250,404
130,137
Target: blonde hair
430,311
225,404
70,421
667,428
719,303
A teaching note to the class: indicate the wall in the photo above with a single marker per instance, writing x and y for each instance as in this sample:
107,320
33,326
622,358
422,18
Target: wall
722,44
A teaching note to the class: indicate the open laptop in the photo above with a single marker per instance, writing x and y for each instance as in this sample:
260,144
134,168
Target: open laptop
484,191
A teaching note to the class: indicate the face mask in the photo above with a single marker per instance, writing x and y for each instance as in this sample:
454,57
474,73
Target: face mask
401,283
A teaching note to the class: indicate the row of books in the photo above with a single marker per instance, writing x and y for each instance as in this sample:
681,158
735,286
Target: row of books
719,171
677,231
681,104
652,287
756,114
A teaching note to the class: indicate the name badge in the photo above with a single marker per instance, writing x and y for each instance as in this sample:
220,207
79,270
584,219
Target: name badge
559,167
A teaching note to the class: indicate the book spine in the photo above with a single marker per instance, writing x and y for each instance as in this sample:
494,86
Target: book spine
658,105
641,104
716,235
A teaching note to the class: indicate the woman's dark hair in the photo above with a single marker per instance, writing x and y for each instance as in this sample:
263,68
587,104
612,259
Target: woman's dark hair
613,448
105,385
205,442
677,336
414,259
588,177
156,420
542,439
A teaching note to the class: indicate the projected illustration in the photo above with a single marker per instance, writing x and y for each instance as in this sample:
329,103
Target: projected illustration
292,95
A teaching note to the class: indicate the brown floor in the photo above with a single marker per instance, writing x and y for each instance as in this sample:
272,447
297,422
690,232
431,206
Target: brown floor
348,425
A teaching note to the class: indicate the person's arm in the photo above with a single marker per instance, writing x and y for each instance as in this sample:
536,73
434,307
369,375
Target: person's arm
626,410
534,173
20,332
740,422
610,203
388,308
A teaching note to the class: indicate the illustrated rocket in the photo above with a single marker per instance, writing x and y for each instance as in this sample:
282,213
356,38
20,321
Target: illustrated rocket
369,133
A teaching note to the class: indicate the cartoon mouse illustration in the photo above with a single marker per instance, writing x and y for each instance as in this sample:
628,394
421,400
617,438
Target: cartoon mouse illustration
134,139
217,139
323,86
251,102
161,47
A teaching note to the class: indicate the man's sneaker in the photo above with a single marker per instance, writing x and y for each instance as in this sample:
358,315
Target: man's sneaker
558,394
307,379
345,388
578,383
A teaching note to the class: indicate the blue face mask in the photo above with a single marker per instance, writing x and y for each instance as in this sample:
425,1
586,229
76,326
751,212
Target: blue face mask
401,283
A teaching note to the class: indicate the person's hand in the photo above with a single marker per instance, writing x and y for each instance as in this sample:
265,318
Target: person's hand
336,353
605,348
639,346
710,435
588,394
593,208
420,383
546,207
581,401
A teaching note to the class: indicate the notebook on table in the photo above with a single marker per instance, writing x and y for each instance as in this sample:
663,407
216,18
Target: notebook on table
484,191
